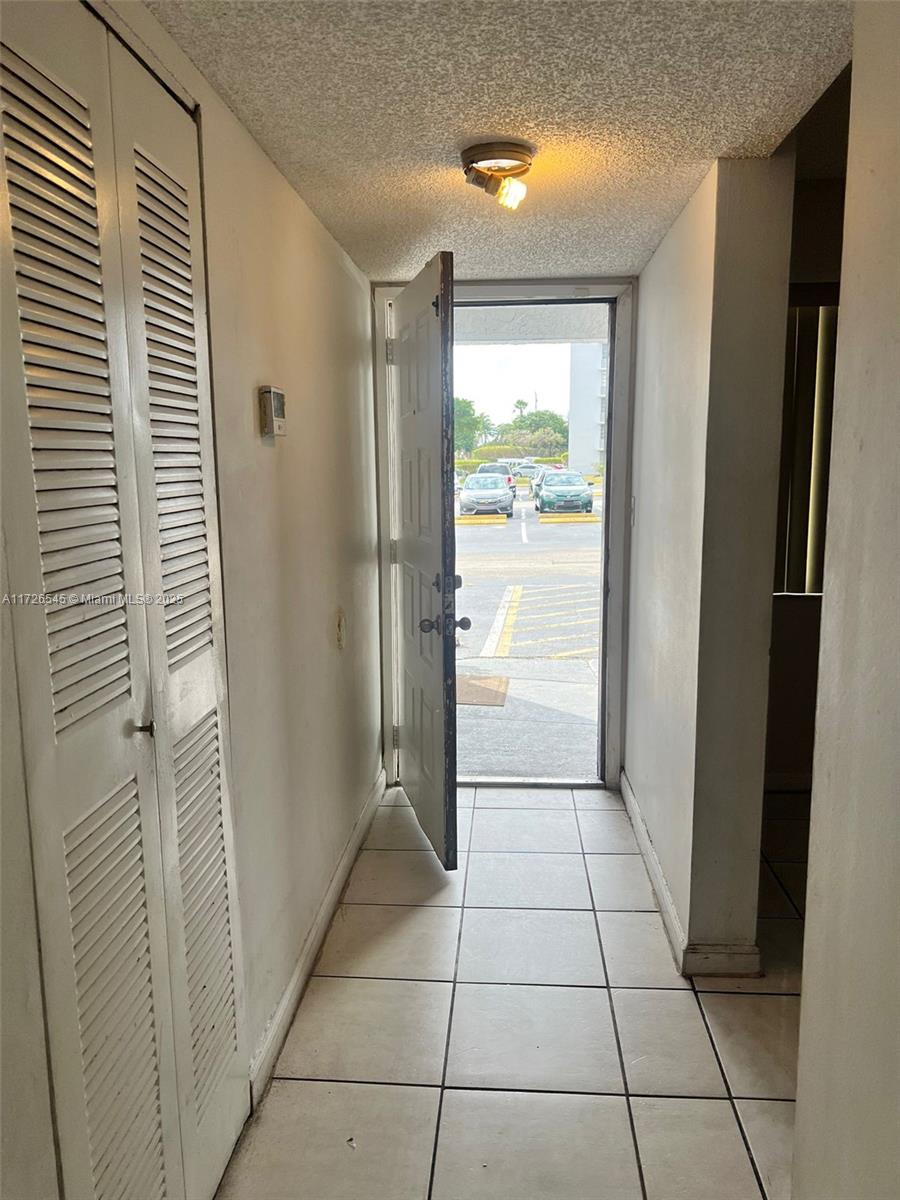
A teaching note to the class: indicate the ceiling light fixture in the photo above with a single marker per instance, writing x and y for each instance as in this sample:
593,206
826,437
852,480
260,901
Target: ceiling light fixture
497,167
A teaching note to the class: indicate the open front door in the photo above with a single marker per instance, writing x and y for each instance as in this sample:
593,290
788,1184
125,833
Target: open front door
423,383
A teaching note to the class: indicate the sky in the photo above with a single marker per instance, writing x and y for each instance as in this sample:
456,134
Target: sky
494,377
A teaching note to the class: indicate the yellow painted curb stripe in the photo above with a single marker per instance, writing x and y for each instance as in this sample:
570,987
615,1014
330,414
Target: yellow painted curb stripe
506,632
482,520
567,518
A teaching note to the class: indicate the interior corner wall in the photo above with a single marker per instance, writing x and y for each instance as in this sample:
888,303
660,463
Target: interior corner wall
848,1093
708,388
674,322
299,534
754,215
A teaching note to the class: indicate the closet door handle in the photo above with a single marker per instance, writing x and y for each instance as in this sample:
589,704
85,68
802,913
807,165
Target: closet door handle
150,728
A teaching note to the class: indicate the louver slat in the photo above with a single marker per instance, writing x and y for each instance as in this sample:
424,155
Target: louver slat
164,228
114,993
209,958
48,157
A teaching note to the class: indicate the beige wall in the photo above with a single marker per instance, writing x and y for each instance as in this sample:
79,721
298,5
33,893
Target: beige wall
708,383
299,534
671,385
849,1076
27,1156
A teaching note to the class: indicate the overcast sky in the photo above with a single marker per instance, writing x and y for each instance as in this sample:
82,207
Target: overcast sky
494,377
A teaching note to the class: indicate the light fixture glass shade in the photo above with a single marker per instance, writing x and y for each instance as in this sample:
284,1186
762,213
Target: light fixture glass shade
511,193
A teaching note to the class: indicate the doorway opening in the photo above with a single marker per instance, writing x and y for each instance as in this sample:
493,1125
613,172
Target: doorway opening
531,425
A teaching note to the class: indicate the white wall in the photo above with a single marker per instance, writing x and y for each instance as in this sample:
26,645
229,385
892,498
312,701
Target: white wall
710,358
27,1156
848,1097
299,536
671,389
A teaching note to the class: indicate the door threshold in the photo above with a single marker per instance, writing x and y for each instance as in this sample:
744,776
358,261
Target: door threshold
525,781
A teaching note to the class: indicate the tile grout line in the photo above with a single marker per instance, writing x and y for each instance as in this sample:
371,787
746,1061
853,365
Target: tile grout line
730,1094
462,914
467,1087
615,1024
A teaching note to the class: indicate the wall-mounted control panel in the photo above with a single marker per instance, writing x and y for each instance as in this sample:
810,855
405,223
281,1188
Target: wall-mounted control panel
272,421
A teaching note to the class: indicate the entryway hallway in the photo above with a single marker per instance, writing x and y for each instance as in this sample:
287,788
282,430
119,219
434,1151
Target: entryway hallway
517,1030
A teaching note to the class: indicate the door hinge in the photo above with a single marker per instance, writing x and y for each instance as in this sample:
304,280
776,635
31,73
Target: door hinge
395,737
393,552
389,351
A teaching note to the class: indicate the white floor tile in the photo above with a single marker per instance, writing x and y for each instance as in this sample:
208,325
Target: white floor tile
396,828
620,882
509,945
404,877
793,877
773,899
465,797
515,1146
785,839
336,1141
665,1046
769,1126
781,953
557,1039
605,832
463,828
395,797
637,951
520,830
523,797
391,941
692,1150
586,798
756,1037
383,1030
527,881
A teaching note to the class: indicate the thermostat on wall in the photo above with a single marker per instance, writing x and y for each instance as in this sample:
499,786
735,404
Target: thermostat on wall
272,422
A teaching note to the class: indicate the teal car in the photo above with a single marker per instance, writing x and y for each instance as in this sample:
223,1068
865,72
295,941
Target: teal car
564,491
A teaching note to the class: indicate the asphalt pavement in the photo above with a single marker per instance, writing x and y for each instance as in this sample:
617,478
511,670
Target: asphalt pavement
532,588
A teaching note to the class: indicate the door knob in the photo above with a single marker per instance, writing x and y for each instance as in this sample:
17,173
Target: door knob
426,625
464,623
150,728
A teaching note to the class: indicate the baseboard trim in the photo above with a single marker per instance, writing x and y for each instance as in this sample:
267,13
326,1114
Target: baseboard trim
731,959
691,958
667,910
263,1061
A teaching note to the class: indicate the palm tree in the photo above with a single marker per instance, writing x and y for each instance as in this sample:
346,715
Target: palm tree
521,407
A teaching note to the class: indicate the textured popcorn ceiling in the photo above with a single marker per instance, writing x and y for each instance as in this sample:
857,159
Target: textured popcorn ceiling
365,107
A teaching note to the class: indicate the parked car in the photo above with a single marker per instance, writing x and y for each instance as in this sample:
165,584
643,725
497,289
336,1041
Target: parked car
564,491
499,468
528,471
483,493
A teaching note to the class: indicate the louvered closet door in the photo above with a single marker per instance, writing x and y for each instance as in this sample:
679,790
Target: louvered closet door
162,245
71,529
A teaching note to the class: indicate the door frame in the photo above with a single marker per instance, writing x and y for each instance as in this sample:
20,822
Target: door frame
617,500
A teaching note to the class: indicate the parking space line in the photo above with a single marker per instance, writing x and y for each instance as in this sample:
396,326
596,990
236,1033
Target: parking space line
539,611
505,641
489,649
561,624
562,637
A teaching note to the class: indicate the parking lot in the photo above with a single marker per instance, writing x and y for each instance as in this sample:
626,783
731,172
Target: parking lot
527,670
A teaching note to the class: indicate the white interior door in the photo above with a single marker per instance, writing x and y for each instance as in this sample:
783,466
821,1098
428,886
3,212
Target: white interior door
423,387
71,529
162,248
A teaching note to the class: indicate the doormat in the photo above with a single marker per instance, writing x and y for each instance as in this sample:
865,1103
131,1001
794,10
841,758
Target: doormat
481,689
